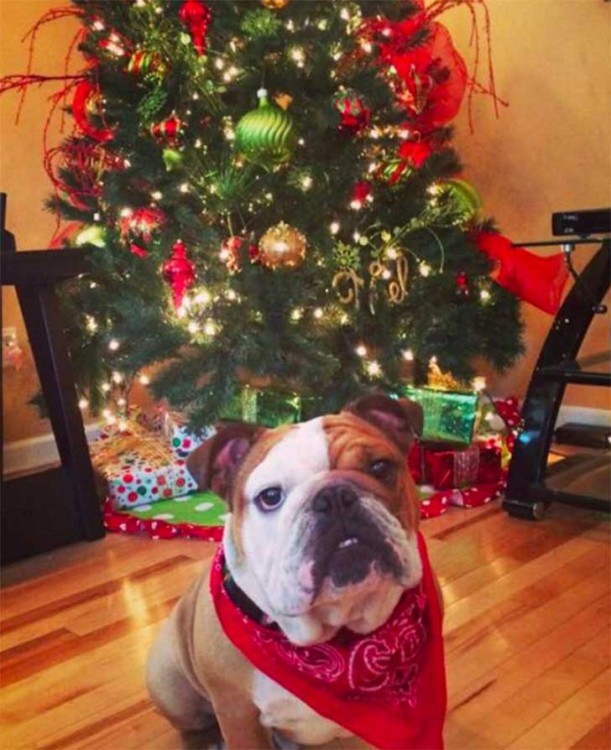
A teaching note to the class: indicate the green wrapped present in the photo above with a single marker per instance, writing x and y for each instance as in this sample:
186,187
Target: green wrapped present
449,416
269,408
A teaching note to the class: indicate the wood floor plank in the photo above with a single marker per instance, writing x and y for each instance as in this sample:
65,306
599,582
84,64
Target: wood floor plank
496,684
50,580
510,585
144,730
597,738
567,722
113,601
513,721
488,644
65,697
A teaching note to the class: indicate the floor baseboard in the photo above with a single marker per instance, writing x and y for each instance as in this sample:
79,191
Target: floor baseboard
22,456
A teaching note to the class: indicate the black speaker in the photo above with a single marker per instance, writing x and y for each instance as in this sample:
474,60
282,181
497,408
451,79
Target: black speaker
582,223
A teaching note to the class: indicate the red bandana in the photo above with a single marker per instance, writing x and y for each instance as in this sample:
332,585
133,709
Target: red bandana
387,687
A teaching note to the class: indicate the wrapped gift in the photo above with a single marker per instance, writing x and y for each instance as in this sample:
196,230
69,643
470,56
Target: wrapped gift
446,466
269,408
448,415
139,469
181,439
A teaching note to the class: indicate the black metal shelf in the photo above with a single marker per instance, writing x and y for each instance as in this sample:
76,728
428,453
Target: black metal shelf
570,372
58,506
531,487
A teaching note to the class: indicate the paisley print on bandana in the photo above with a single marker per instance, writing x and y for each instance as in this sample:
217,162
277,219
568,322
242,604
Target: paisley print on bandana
382,666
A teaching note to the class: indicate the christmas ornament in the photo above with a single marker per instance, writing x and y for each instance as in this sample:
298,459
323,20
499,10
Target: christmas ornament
86,104
354,114
464,196
142,63
361,193
167,130
92,235
266,135
253,250
282,246
230,253
196,17
114,45
274,4
179,272
137,226
412,155
462,285
172,159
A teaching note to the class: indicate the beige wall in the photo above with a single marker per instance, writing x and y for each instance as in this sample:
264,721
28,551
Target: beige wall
548,151
23,178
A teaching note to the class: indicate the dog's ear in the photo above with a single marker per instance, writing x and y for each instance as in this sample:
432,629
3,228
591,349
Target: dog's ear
401,419
215,463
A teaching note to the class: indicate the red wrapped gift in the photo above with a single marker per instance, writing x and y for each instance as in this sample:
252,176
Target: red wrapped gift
447,467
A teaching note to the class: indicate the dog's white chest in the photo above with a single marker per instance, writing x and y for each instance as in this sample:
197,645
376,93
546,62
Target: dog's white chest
281,710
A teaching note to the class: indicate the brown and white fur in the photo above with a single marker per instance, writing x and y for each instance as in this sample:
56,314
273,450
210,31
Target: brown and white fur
321,535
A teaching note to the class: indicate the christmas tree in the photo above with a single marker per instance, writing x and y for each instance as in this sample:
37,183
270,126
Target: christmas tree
273,201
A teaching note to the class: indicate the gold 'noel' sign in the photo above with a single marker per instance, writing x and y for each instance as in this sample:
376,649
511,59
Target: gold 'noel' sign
393,273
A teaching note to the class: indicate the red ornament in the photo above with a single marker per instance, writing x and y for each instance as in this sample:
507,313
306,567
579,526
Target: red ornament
168,130
462,285
415,152
354,114
196,17
412,155
143,62
141,221
360,194
138,250
179,272
86,97
254,253
138,225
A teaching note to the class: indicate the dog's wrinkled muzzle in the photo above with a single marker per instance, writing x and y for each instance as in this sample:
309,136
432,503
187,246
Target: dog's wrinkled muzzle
347,541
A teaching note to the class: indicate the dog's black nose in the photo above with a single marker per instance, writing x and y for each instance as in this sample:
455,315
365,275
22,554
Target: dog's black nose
340,498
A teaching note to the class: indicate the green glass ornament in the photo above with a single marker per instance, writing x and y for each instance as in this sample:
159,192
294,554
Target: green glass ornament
465,197
266,135
94,234
172,158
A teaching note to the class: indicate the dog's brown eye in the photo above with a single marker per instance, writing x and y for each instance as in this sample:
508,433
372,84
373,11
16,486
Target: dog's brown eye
270,498
383,470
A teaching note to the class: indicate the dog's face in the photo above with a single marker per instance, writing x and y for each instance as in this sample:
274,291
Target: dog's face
323,517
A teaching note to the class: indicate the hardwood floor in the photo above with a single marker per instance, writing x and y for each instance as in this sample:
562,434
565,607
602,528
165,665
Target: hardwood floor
527,635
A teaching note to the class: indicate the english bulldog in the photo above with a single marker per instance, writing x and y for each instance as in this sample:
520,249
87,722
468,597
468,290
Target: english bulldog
318,619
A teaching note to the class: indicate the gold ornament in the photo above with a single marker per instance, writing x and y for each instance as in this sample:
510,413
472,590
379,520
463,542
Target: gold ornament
282,246
274,4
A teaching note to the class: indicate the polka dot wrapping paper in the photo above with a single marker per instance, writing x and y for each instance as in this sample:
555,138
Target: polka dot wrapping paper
200,515
140,470
180,439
